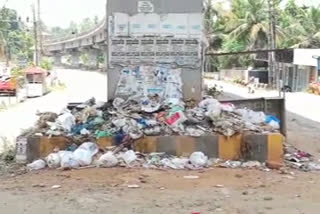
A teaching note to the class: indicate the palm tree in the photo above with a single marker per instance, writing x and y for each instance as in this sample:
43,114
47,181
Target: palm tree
310,35
248,23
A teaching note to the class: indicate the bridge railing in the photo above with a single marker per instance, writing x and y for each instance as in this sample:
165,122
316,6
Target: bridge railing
56,40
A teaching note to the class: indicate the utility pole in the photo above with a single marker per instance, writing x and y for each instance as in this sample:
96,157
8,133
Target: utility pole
35,30
272,73
40,31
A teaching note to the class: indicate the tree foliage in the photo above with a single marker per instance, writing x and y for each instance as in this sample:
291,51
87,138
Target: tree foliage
246,25
74,28
15,40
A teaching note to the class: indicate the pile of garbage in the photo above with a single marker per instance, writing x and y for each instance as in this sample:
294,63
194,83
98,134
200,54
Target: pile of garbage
151,116
89,155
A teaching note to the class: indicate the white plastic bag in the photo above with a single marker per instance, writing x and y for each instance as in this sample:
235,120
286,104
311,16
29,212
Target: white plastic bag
53,160
119,123
83,157
84,154
212,107
84,131
129,156
274,124
66,120
108,160
91,147
251,116
37,165
117,102
180,163
175,163
198,159
68,160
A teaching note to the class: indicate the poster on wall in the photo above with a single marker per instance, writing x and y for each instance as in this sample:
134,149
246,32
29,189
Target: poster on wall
146,81
133,50
162,50
118,50
147,48
121,24
145,7
155,50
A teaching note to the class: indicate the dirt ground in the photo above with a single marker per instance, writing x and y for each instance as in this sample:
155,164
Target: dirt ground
216,190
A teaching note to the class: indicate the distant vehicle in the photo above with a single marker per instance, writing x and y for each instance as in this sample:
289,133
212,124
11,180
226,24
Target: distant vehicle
8,85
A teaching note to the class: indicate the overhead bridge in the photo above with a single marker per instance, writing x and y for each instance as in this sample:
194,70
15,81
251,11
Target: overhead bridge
92,43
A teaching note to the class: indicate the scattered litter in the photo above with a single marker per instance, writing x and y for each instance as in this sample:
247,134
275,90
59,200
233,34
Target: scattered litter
39,185
251,164
133,186
198,159
191,177
85,153
129,156
288,177
108,160
300,160
219,186
68,160
314,166
37,165
53,160
56,187
231,164
268,198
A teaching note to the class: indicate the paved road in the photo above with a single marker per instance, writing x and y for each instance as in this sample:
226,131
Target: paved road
81,86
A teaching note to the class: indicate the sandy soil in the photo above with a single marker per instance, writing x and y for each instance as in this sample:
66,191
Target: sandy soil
106,191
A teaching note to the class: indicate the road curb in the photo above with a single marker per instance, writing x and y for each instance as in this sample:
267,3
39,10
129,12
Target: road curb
260,147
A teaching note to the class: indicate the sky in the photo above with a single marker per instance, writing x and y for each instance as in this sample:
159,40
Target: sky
59,12
62,12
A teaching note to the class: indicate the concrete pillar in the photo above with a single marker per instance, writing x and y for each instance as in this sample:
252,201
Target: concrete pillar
57,59
75,59
93,62
105,56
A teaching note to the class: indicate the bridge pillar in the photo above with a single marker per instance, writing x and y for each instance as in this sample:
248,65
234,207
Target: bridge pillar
75,59
93,62
57,59
105,56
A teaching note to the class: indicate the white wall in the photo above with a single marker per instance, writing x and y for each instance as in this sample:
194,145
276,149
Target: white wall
305,57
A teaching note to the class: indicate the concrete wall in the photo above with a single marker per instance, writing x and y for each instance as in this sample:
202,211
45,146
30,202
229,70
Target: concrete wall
191,75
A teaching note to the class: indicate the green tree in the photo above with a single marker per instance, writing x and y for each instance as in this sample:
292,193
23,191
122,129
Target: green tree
16,41
310,35
96,20
86,24
73,28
